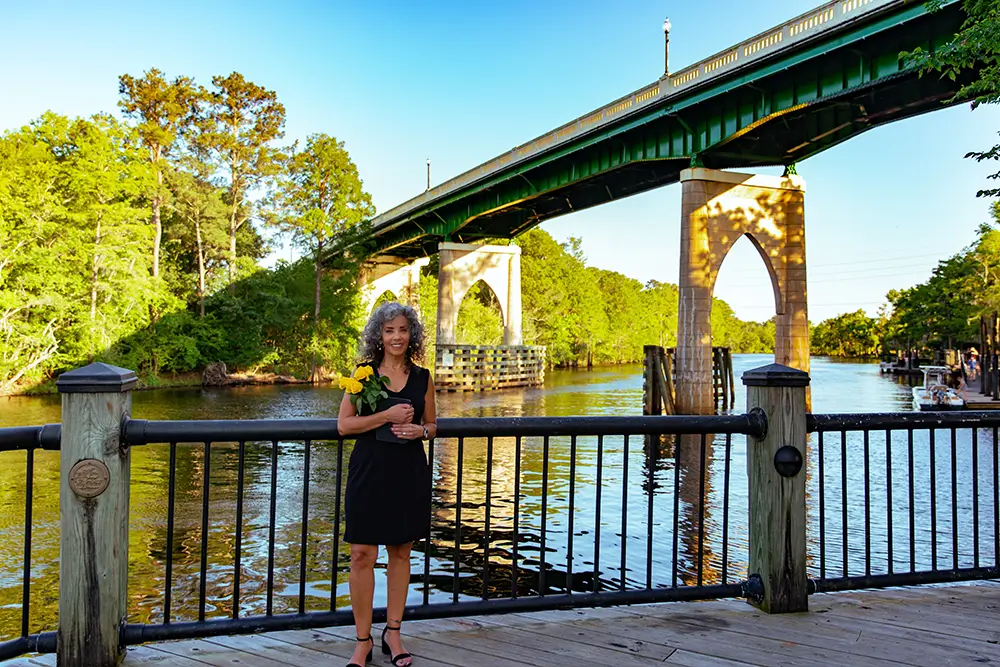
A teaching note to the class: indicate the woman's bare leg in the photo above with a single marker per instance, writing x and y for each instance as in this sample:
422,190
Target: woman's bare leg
363,557
399,584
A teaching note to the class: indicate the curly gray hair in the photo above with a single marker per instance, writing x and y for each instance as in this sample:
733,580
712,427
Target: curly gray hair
371,337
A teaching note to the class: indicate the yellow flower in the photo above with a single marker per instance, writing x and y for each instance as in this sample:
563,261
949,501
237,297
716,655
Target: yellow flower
350,385
362,373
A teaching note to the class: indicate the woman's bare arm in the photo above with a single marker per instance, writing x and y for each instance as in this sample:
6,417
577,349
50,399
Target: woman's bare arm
429,418
349,423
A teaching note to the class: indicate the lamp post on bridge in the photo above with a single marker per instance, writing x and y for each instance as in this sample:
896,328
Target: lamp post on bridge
666,47
428,173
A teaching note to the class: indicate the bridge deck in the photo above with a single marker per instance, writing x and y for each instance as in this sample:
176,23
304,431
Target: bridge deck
935,627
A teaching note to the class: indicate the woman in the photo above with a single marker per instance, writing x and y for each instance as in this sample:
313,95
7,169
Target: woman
388,483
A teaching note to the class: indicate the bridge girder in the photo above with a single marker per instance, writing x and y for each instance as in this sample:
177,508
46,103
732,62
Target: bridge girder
784,111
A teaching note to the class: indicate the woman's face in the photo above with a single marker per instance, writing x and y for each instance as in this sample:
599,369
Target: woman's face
396,336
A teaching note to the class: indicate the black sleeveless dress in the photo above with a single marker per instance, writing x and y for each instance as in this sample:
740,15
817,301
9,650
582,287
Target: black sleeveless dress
388,497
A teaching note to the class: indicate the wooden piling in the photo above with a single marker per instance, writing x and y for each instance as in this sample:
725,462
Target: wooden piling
994,355
667,368
732,381
658,362
650,404
666,399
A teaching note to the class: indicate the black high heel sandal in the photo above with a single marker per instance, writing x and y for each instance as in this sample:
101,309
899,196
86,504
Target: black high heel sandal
370,651
394,659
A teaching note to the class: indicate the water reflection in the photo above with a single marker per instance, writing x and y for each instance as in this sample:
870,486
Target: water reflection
503,523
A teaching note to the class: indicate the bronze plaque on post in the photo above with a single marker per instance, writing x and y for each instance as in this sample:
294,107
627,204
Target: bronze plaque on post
89,478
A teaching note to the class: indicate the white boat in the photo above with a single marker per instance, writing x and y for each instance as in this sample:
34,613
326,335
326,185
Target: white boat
935,394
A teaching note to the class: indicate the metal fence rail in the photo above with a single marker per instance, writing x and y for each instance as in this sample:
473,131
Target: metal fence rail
28,439
920,490
488,554
533,513
556,512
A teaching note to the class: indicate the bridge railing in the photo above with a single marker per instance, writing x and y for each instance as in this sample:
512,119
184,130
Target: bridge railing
802,29
240,526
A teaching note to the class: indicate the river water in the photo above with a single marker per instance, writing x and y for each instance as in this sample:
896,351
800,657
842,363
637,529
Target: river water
640,513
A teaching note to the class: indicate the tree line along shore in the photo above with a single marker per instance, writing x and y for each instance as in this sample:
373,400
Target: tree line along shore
139,240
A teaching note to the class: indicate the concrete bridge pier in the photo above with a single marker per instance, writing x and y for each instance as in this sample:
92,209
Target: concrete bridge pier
717,208
462,265
388,274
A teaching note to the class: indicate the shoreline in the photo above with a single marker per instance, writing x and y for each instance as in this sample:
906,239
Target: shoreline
183,381
196,378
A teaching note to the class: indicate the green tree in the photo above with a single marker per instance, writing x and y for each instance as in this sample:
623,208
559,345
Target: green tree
847,335
74,245
32,308
944,310
164,111
626,317
104,178
321,197
242,122
661,301
975,47
562,303
202,218
939,312
479,319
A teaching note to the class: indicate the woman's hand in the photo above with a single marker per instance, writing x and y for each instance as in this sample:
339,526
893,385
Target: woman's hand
408,431
401,413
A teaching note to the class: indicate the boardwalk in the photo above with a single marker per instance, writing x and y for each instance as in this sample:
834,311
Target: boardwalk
977,400
932,627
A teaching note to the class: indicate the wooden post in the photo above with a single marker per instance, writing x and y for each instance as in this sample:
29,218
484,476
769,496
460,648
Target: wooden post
94,513
716,380
777,483
664,398
982,350
651,399
724,371
995,363
668,378
666,370
732,381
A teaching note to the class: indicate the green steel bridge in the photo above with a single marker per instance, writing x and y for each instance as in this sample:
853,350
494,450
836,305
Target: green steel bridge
775,99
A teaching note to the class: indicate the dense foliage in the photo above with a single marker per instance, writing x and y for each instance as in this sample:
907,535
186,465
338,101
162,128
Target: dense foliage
128,242
944,311
848,335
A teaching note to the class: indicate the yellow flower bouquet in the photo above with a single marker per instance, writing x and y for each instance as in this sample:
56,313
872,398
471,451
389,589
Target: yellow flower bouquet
364,388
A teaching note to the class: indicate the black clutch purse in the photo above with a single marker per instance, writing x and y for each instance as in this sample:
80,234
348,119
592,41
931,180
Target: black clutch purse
384,432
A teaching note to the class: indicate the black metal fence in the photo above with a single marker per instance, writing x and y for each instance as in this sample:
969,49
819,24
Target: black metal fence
28,439
528,513
244,532
907,498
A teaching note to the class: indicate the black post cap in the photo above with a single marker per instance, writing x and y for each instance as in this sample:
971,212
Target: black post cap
775,375
96,378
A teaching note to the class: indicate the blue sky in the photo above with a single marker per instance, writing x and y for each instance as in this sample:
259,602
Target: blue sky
461,82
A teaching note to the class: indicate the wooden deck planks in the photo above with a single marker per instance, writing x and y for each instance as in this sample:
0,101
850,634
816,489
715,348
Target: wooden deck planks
825,631
915,627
